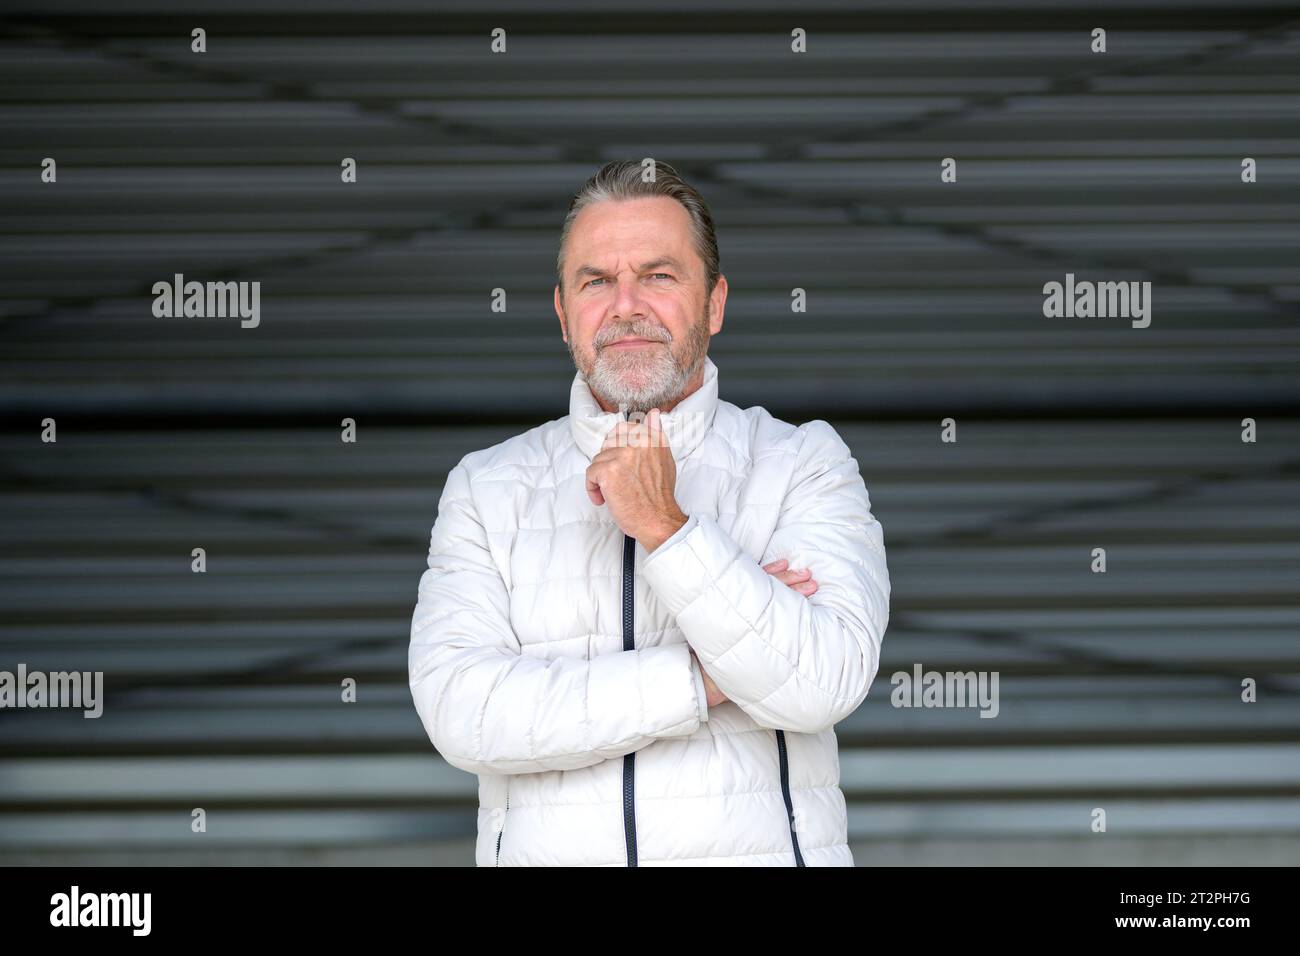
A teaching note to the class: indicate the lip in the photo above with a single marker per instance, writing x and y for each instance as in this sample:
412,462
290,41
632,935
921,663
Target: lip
631,343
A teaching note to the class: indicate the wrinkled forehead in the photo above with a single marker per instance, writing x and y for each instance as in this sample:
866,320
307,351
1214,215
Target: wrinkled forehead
617,234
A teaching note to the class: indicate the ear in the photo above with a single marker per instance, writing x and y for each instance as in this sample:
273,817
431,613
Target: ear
559,311
717,305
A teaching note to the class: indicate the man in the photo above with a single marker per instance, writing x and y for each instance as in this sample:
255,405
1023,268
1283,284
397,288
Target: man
641,621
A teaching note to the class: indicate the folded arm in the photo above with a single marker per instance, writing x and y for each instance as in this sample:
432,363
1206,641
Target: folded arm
489,708
790,662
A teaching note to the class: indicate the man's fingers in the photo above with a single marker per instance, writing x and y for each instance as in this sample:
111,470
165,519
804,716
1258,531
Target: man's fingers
800,580
776,566
614,437
593,485
644,432
792,577
654,420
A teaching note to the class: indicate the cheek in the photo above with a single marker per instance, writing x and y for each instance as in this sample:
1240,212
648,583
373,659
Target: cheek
677,314
586,318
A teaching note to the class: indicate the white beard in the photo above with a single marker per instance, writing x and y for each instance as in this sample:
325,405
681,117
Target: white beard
638,381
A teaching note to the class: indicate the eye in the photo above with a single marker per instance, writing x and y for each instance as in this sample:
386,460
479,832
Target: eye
658,274
593,281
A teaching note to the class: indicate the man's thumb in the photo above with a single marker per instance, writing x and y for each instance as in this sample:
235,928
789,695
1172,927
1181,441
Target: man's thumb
594,493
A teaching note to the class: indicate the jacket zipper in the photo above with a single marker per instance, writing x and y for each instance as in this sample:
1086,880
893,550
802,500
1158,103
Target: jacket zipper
629,760
503,822
785,792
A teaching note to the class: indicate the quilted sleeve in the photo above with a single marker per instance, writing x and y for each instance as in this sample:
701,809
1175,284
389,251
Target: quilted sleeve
488,708
790,662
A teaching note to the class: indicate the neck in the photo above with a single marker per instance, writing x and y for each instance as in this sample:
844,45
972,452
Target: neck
692,386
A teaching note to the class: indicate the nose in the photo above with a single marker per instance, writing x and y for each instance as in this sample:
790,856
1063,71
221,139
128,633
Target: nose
629,302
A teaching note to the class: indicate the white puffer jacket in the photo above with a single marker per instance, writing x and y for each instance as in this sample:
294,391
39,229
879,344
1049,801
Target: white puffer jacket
549,653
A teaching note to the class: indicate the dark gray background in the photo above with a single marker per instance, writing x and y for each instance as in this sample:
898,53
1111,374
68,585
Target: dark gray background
1117,691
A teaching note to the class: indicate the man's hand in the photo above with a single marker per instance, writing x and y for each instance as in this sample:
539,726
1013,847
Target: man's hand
712,693
801,581
634,473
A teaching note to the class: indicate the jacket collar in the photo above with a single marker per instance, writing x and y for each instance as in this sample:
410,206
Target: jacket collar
684,427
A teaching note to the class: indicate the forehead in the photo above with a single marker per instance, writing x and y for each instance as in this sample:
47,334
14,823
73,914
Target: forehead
648,225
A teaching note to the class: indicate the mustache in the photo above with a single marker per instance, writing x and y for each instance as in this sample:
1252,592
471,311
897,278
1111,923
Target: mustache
652,333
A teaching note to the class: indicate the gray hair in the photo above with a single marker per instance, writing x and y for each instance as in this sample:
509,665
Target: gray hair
623,180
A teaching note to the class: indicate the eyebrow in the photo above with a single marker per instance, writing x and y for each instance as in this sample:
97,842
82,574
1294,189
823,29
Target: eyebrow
645,267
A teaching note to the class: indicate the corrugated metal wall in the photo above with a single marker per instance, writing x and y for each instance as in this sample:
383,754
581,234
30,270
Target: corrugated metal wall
925,298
